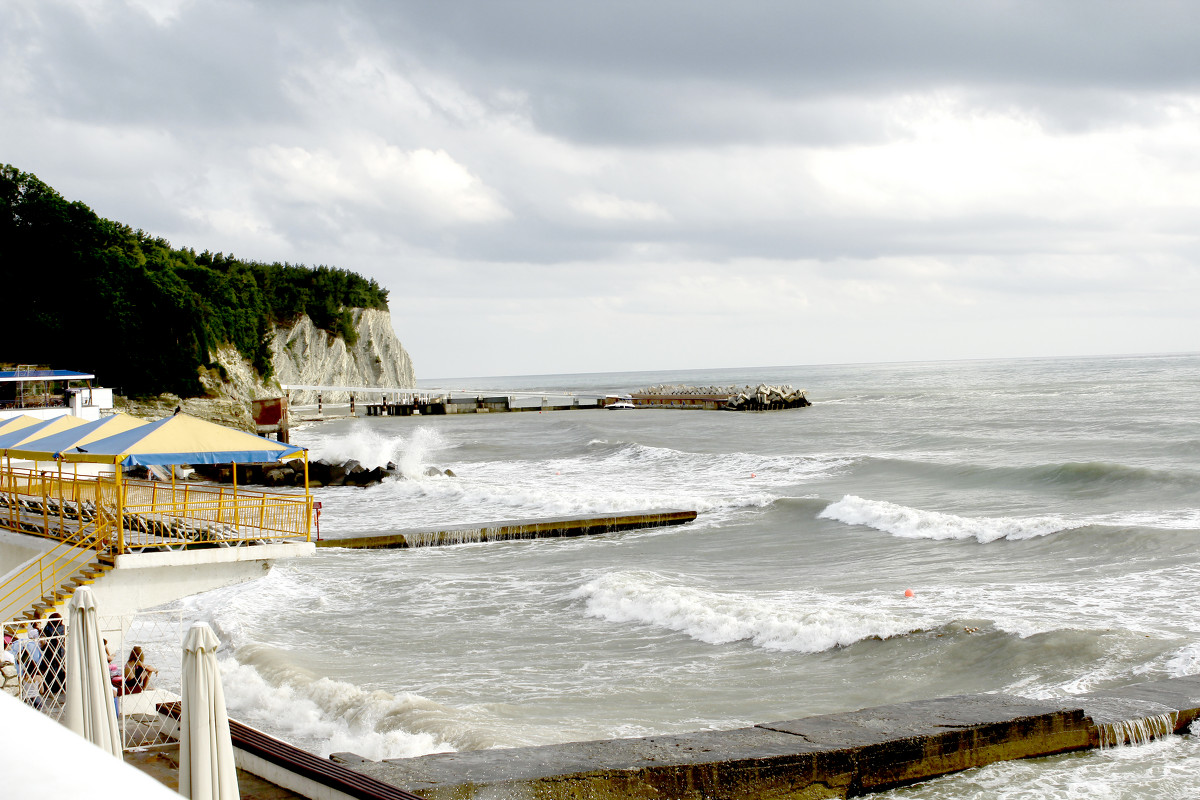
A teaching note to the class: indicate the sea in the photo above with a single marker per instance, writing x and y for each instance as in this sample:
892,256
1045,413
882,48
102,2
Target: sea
922,530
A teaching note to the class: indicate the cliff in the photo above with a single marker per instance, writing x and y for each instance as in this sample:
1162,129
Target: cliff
305,354
300,353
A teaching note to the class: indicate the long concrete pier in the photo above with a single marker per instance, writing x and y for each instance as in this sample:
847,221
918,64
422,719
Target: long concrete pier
829,756
515,529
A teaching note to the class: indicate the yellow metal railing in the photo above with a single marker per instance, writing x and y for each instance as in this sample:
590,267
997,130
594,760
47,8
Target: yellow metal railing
119,515
183,513
44,575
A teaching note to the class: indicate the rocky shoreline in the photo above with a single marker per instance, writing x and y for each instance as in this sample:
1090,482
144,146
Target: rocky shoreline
291,473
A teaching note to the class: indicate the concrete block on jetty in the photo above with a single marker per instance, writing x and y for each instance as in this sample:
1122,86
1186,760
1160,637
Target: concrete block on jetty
728,398
827,756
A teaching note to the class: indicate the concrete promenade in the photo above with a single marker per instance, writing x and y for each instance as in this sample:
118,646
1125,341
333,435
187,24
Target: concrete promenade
829,756
515,529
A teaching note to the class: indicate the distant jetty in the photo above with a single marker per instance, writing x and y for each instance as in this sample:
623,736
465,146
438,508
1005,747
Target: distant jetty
726,398
438,402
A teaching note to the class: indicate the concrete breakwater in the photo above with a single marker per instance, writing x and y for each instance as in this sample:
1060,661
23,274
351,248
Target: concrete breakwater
828,756
514,529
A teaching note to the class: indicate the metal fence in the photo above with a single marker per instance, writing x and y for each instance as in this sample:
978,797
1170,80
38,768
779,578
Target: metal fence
102,512
145,670
176,515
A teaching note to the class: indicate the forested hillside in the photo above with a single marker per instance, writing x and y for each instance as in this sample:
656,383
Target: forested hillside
86,293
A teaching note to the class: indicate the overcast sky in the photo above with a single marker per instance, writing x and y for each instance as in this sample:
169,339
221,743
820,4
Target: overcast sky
559,186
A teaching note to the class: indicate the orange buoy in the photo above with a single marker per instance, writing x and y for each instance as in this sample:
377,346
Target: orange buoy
908,593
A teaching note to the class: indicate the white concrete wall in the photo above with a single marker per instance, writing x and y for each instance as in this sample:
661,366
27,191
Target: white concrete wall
17,548
142,581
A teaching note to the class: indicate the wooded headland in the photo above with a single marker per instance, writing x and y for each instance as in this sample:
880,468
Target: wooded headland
90,294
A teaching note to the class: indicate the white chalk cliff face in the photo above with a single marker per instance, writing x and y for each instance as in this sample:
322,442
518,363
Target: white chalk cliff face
300,353
305,354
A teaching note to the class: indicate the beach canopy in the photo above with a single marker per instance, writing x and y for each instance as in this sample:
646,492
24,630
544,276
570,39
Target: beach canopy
10,375
16,423
181,439
10,439
44,448
89,709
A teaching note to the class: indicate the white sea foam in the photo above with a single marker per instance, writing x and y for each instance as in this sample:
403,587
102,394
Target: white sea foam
329,716
628,478
1185,661
800,622
412,452
915,523
1163,768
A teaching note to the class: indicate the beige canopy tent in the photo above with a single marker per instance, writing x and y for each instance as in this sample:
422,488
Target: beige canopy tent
18,422
178,439
45,445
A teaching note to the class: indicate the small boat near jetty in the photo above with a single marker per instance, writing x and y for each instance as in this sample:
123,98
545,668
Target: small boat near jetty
620,402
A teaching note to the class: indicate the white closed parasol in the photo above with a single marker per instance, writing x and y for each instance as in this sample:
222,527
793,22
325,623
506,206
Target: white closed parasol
206,765
89,710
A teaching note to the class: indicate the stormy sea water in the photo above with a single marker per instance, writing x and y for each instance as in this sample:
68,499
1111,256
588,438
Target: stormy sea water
1044,513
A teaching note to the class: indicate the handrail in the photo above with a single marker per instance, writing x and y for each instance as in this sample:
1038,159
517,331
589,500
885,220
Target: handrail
40,577
121,514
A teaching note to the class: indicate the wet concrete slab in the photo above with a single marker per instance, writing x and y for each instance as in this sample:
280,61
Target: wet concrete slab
836,755
162,764
587,525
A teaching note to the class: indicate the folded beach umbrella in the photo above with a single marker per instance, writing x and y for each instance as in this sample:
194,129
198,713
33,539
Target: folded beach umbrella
89,710
44,448
206,766
181,439
10,439
16,423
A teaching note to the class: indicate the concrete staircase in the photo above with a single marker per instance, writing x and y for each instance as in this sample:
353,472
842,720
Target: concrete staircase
56,598
46,582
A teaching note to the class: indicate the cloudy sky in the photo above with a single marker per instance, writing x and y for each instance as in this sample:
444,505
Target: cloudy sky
549,186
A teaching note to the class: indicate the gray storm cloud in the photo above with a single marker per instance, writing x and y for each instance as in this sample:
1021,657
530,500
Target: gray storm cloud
989,178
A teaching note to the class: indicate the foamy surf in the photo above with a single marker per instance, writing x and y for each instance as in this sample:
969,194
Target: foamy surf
792,621
625,478
328,716
412,452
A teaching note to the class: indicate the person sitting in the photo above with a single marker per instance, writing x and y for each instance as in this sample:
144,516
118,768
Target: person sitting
137,671
28,657
54,655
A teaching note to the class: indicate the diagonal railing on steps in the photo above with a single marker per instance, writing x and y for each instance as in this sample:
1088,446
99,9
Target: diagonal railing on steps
47,581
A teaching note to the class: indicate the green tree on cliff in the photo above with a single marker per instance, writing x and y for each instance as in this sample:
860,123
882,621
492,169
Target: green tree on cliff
89,293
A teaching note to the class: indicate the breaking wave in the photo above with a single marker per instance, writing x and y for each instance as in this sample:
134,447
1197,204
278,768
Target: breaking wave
798,622
327,716
607,478
915,523
411,452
